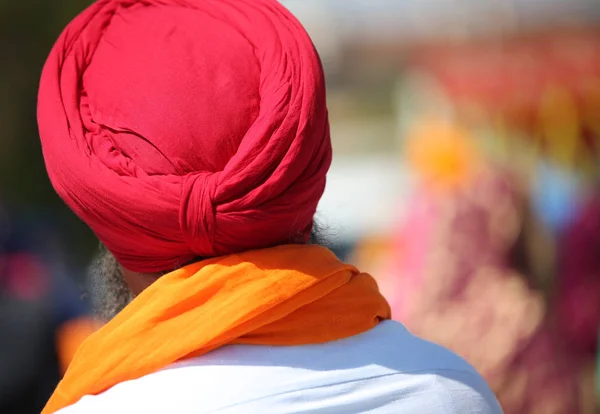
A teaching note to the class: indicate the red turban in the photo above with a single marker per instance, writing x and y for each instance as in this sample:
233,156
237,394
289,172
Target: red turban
179,129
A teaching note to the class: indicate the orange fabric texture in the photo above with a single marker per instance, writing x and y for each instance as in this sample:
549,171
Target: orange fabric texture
287,295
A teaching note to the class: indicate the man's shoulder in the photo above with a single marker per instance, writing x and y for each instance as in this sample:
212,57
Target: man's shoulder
392,345
385,367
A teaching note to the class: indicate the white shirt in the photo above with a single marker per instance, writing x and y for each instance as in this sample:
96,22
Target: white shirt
384,370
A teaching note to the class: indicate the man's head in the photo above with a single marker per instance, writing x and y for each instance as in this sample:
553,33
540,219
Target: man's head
184,129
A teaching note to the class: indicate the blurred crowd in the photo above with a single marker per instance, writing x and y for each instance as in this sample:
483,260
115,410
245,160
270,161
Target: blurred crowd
43,316
478,265
483,228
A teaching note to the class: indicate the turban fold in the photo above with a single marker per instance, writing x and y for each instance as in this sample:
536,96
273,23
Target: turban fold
179,129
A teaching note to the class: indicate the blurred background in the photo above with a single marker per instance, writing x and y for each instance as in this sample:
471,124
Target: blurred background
466,179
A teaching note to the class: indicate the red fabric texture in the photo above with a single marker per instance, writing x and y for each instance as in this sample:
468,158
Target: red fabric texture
179,129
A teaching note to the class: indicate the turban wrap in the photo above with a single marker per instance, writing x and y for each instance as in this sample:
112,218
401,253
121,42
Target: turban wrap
179,129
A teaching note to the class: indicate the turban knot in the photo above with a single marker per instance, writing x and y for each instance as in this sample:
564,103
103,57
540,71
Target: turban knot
179,129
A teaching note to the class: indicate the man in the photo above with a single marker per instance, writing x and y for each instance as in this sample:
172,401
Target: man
192,137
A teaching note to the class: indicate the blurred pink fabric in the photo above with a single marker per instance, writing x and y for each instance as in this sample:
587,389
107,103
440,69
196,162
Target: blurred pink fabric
455,285
579,283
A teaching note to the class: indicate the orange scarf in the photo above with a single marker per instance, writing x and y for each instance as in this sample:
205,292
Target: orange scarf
288,295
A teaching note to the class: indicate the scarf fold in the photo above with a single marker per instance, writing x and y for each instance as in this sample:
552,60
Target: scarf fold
288,295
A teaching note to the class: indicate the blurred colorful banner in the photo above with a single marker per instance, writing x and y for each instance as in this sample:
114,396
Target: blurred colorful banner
545,85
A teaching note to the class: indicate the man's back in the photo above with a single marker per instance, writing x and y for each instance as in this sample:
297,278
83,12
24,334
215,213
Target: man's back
188,130
384,370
